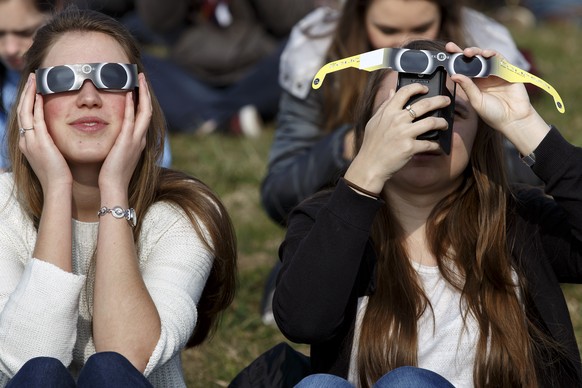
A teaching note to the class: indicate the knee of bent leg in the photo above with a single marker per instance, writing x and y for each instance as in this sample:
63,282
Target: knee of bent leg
105,361
408,376
42,372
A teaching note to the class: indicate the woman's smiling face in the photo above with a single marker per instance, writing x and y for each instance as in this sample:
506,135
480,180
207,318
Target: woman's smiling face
85,123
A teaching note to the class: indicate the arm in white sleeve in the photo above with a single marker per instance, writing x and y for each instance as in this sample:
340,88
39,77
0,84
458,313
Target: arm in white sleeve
39,316
175,265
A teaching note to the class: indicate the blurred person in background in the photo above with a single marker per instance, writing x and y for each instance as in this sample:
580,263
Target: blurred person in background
115,8
313,141
19,20
222,63
527,13
556,11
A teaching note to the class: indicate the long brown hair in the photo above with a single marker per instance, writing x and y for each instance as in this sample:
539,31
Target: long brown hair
466,232
350,38
149,183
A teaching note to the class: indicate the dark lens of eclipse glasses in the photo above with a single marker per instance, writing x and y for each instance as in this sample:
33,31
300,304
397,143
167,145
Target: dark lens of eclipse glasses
471,67
426,62
113,76
416,62
60,79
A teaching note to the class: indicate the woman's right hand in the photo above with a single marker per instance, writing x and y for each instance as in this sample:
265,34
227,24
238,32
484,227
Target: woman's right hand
390,138
36,144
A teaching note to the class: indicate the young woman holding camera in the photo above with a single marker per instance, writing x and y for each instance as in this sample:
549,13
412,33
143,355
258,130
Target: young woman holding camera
426,268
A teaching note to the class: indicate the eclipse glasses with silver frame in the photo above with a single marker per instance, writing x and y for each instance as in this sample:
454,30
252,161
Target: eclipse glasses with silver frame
105,76
426,62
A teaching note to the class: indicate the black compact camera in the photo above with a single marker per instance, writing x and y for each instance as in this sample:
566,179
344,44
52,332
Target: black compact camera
437,85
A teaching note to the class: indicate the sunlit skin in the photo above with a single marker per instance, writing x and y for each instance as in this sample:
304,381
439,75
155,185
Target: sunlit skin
19,20
435,171
87,140
84,146
391,23
415,174
84,124
429,176
496,101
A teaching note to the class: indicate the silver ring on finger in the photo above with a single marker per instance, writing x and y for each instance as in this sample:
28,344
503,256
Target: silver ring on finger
23,130
411,111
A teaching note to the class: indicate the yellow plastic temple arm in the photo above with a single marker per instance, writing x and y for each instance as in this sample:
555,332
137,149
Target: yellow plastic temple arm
378,59
370,61
511,73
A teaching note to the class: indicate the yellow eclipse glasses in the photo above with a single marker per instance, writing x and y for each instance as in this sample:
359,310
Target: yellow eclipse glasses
426,62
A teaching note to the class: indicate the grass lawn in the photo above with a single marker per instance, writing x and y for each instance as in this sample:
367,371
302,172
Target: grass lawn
234,167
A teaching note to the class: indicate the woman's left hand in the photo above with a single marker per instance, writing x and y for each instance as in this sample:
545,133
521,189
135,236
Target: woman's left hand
121,161
500,104
504,106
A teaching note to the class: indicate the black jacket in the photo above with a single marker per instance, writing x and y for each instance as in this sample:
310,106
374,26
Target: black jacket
328,262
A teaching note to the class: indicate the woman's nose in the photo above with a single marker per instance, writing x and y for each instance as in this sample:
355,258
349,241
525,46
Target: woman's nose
89,95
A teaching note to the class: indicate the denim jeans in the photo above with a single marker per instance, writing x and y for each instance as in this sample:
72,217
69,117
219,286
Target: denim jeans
403,377
106,369
187,101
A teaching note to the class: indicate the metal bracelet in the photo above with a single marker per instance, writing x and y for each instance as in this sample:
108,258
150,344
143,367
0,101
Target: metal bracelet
119,212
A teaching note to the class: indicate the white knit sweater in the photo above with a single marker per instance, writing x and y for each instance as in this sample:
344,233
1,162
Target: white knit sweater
43,309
